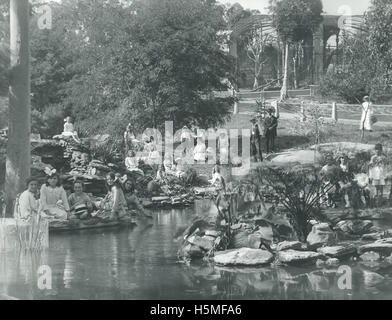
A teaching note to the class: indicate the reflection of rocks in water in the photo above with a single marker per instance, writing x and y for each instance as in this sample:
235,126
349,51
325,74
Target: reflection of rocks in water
239,282
372,279
319,282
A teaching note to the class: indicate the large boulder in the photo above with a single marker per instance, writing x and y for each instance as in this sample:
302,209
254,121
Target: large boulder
338,251
245,237
370,256
295,257
244,257
321,235
297,156
382,248
204,243
355,227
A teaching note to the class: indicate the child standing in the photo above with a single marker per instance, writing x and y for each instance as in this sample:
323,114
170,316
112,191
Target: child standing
377,172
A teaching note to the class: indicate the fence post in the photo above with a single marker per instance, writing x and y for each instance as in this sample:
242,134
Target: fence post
236,104
303,116
334,112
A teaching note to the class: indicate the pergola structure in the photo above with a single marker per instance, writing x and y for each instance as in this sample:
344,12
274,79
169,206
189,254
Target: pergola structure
318,58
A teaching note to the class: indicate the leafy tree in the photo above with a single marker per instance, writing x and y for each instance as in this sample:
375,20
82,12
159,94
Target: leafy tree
294,20
366,67
142,62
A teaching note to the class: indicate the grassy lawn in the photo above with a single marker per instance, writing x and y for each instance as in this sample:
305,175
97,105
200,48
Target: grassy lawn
288,139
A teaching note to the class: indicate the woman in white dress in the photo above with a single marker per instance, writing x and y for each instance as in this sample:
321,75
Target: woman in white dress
367,111
27,204
53,198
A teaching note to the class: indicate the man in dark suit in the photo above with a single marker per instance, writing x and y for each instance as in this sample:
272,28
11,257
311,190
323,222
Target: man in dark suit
270,130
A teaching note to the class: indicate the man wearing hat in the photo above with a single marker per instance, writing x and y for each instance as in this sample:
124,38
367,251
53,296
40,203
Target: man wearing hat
255,141
270,130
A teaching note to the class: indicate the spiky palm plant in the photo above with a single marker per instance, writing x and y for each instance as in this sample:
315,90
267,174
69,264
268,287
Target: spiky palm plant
300,188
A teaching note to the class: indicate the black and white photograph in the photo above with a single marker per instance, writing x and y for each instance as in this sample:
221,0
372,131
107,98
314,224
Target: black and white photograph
195,150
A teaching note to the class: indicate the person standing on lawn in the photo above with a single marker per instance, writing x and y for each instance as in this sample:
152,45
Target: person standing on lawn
270,130
367,111
255,141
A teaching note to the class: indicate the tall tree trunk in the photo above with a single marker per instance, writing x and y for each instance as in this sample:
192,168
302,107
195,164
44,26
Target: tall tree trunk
278,64
284,91
295,71
256,71
18,148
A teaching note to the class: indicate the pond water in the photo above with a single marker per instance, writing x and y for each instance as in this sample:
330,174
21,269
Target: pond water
141,263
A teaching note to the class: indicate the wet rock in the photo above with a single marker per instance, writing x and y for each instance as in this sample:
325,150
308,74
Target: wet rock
382,248
240,239
372,279
372,236
370,256
209,238
212,233
343,236
338,251
190,251
386,240
286,245
320,235
244,257
298,257
332,262
320,263
356,227
244,237
201,242
388,259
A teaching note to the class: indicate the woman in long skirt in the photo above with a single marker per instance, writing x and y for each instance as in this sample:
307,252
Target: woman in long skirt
367,111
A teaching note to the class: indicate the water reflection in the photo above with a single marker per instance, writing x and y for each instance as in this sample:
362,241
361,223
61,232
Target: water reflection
141,263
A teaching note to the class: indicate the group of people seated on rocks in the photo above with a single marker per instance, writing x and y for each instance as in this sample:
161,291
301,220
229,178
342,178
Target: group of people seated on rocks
363,186
52,202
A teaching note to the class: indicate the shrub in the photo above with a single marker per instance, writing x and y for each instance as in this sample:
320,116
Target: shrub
300,190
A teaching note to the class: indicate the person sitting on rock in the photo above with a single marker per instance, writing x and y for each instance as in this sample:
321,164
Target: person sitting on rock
217,180
69,130
53,198
132,163
329,174
346,179
200,151
80,203
129,139
161,175
132,200
27,204
114,205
